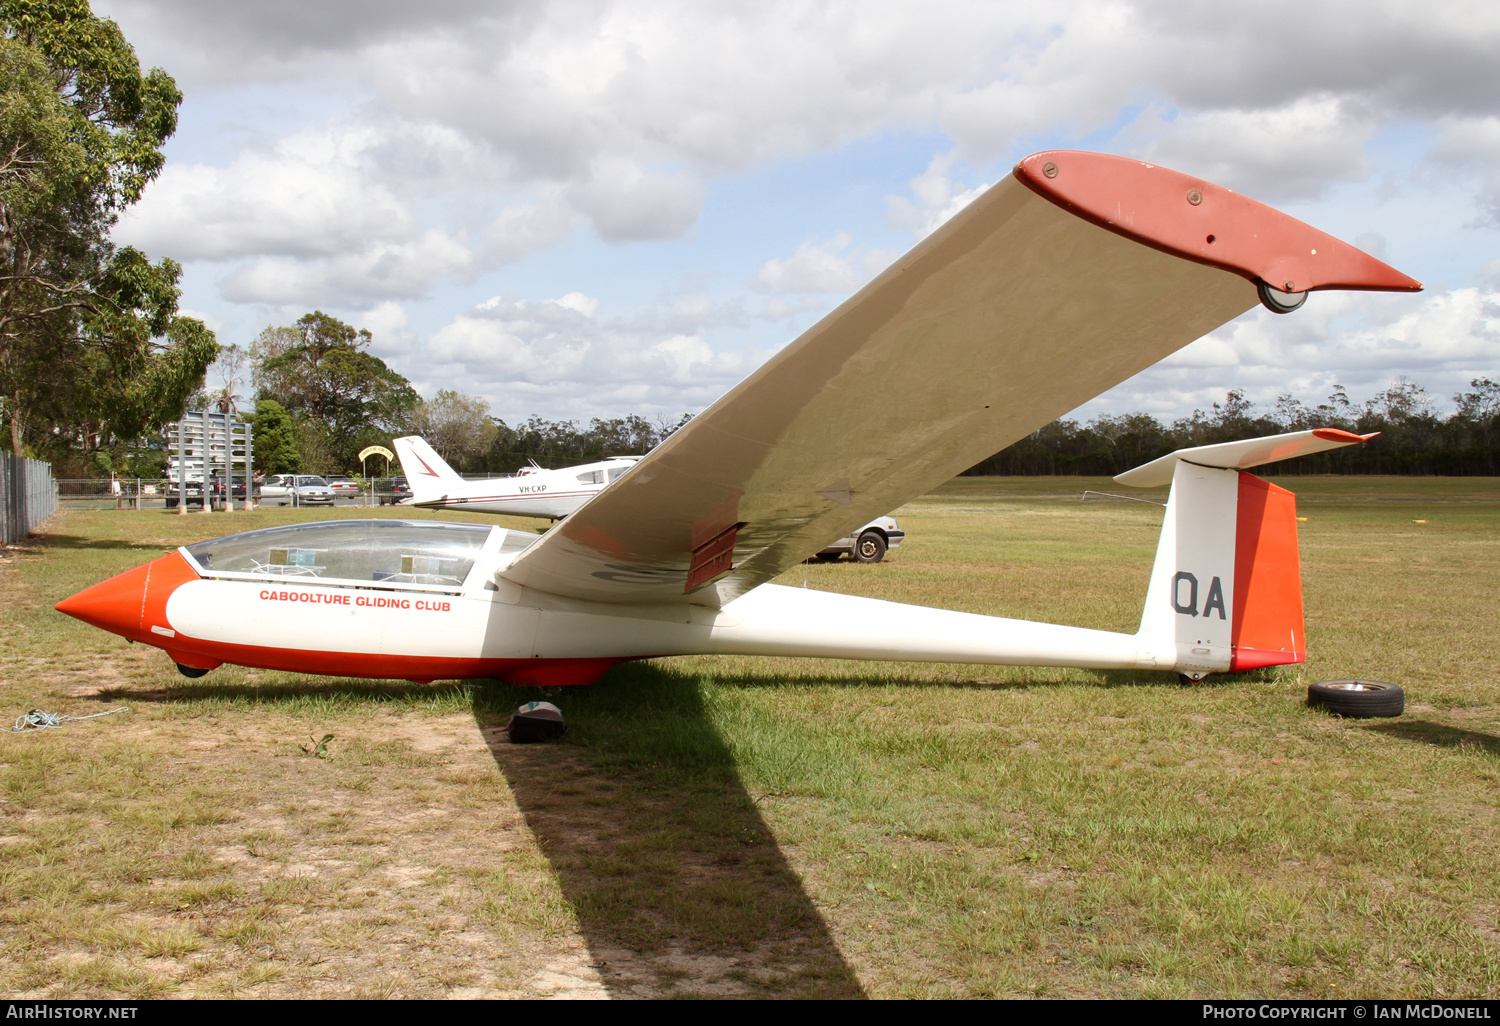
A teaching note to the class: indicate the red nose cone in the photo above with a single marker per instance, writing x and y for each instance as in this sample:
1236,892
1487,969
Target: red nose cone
130,604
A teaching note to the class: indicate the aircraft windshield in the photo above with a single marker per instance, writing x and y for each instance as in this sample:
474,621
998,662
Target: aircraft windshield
392,552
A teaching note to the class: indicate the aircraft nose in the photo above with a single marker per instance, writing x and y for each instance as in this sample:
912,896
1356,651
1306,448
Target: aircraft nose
114,605
129,604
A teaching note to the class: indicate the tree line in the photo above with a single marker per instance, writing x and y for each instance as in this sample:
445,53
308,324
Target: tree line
1413,438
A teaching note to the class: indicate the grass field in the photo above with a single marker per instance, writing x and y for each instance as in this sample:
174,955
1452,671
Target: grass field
783,827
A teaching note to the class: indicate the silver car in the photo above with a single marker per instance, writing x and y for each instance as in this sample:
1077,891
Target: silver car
297,489
869,544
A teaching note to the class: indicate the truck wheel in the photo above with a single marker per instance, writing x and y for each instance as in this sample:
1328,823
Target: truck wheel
870,548
1358,699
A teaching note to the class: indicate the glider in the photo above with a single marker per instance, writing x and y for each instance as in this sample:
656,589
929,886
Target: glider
534,492
1070,275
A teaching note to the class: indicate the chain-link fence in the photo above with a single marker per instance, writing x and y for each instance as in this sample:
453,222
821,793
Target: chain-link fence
28,495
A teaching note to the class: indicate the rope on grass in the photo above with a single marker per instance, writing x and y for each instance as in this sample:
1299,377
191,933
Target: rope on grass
38,720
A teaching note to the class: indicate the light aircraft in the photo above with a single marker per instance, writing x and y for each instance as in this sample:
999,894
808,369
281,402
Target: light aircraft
1066,277
535,492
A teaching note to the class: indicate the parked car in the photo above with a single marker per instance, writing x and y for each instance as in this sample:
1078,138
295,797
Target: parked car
275,488
342,484
392,490
297,490
869,544
215,492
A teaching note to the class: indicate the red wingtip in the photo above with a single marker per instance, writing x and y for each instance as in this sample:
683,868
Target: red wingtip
1203,222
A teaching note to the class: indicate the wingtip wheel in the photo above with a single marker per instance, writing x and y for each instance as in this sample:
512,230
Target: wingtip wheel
1277,300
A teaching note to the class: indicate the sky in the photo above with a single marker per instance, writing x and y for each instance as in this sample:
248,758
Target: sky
592,209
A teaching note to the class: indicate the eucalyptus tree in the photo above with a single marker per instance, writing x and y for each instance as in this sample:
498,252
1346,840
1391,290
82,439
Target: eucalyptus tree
90,338
340,394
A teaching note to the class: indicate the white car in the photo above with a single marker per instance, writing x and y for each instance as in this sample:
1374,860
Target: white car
342,484
297,489
867,545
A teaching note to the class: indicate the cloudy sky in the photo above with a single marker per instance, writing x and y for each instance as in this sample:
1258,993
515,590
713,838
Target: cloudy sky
585,209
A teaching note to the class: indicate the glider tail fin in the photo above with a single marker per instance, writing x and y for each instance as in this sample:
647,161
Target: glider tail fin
1226,588
426,472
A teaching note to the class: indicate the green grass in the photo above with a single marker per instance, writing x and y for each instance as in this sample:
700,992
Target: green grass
788,827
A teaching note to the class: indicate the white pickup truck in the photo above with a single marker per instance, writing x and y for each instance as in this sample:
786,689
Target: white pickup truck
868,544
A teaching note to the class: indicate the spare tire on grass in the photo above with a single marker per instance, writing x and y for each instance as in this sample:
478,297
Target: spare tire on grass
1358,699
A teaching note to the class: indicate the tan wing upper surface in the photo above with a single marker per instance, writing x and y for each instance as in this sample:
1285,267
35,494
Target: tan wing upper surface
1010,315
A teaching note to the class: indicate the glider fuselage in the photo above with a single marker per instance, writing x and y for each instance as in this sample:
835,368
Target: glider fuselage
436,625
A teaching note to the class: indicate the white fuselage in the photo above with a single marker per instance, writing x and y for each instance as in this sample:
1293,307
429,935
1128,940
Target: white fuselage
489,626
533,493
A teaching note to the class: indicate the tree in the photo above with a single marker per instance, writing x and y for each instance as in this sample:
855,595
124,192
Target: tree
83,326
274,439
457,426
320,371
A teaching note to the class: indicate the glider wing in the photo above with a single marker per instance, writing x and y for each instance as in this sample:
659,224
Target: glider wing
1064,279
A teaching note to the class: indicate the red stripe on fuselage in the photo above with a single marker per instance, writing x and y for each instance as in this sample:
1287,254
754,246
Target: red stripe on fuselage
375,666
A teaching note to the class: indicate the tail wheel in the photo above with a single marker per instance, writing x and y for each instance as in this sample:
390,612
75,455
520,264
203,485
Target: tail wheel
1358,699
870,548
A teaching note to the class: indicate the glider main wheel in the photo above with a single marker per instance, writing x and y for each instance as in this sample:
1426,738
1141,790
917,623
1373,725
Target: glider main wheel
1358,699
191,672
870,548
1187,680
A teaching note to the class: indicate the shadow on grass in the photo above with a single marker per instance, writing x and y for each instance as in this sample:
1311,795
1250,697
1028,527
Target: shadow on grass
678,884
319,689
1105,679
1438,734
76,542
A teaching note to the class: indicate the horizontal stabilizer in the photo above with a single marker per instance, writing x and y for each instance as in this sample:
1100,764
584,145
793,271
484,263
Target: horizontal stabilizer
1242,455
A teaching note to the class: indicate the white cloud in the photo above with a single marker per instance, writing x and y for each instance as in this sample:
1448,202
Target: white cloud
625,204
376,272
389,327
556,359
831,265
1364,341
578,302
312,195
935,198
1275,154
1472,145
